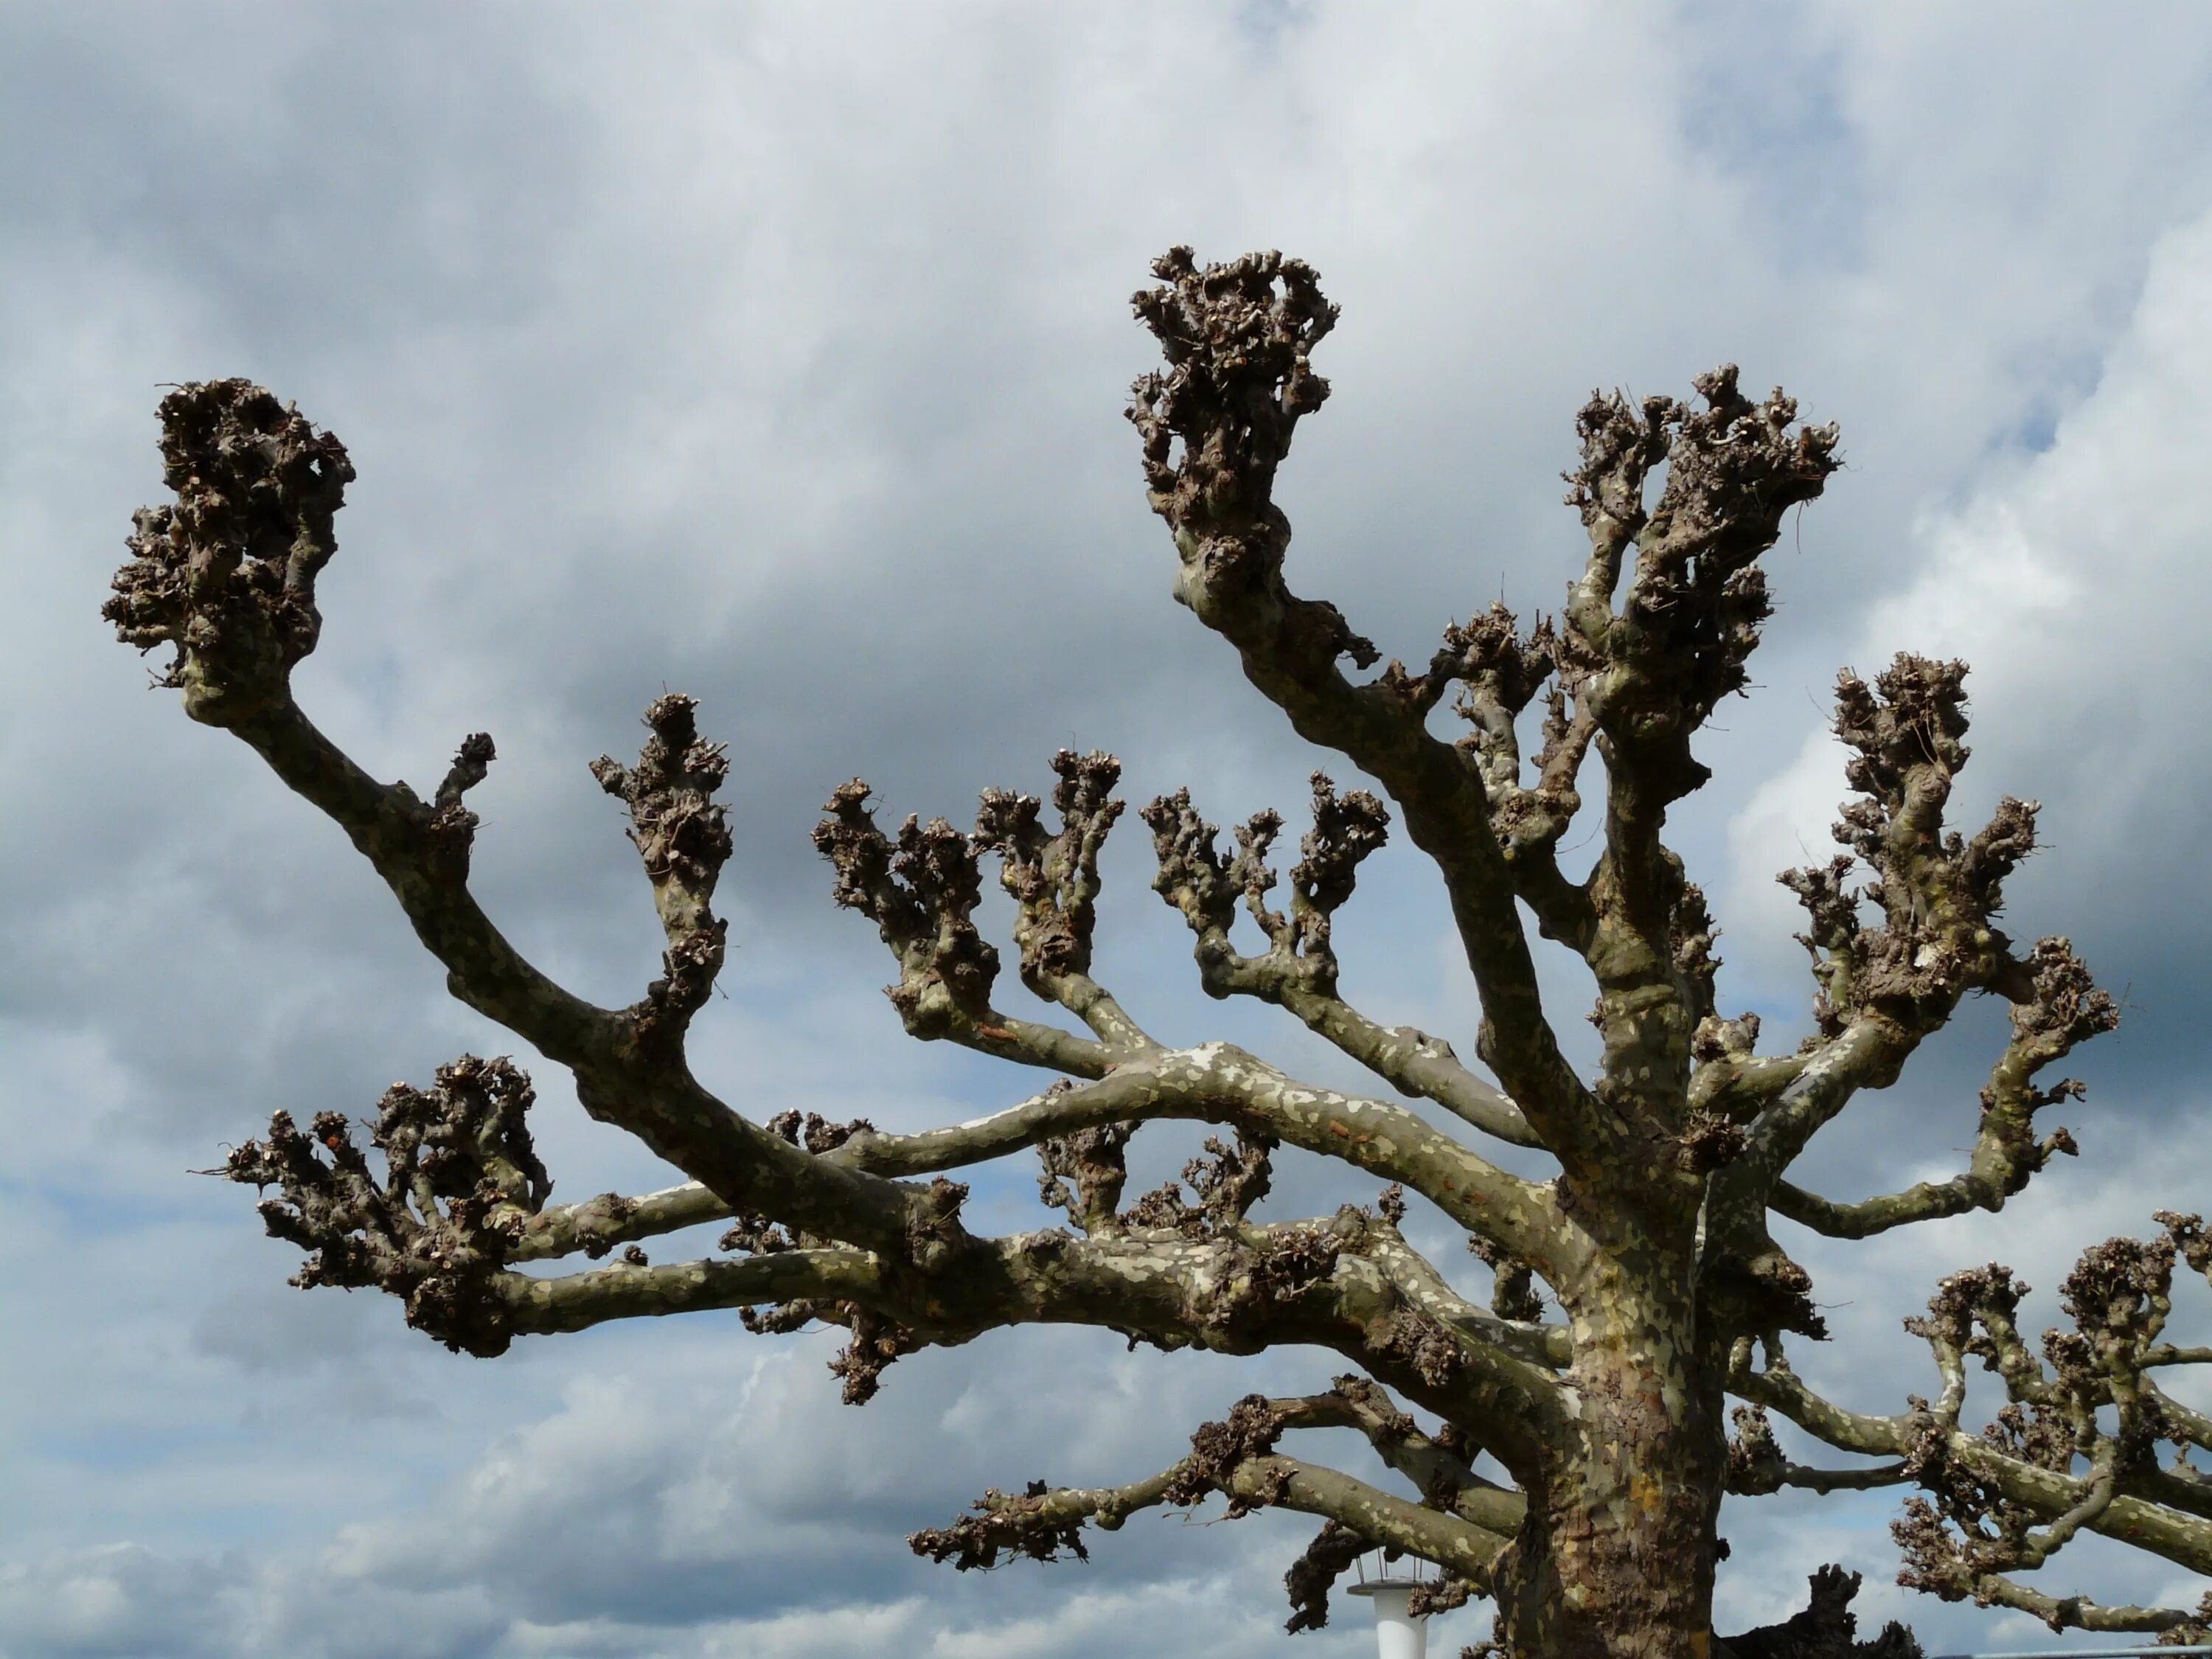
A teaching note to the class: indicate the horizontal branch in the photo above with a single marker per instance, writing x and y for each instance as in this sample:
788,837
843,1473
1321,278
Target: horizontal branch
1418,1281
1218,1083
1235,1459
598,1224
1455,1544
1038,1524
1307,1283
1757,1465
2167,1354
1444,1478
576,1302
1926,1200
1213,1082
2063,1613
1808,1479
2183,1539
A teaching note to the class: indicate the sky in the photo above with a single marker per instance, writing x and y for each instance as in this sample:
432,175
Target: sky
776,354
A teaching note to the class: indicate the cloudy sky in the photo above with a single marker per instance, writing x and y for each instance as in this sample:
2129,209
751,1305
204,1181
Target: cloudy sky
776,354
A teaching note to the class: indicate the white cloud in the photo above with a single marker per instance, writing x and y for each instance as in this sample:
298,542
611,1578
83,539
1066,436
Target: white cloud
2074,582
777,353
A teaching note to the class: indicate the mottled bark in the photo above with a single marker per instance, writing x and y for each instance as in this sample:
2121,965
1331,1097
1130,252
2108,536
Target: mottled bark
1616,1555
1654,1238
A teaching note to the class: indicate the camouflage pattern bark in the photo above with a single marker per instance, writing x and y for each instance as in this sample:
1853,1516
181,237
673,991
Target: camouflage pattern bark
1568,1466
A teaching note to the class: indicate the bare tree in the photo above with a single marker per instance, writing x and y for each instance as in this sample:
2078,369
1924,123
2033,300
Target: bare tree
1608,1420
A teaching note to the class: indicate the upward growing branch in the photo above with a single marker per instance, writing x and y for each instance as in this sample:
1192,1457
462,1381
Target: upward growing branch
1649,669
1239,339
684,836
1299,970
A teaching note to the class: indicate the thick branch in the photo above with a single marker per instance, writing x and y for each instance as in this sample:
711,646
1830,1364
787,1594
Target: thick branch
1413,1062
1686,626
1389,1521
598,1224
1239,380
1643,676
1213,1083
2063,1613
1417,1279
1306,1283
1444,1477
576,1302
2182,1539
625,1072
422,860
1218,1083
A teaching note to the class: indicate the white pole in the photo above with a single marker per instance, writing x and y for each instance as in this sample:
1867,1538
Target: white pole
1398,1633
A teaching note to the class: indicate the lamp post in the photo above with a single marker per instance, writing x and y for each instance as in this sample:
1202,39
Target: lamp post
1398,1633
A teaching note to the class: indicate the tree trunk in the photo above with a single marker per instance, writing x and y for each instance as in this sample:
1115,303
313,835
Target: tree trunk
1615,1560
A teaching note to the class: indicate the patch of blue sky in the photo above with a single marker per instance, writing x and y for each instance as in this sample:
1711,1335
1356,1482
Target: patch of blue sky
1264,23
1763,100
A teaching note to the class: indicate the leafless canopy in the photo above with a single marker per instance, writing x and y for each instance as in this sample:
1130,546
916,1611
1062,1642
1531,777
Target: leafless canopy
1633,1293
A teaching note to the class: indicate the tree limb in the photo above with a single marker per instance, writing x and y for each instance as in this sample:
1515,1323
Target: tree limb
1757,1465
598,1224
2042,1493
2062,1010
1236,1460
1440,1474
1299,970
1239,378
1221,1084
920,888
576,1302
2063,1613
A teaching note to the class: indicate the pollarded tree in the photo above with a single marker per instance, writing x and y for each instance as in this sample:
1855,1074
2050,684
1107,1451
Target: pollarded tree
1612,1420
